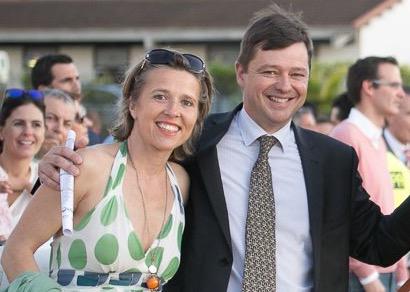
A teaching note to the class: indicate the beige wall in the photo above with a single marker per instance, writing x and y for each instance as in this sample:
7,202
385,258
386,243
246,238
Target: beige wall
136,55
16,65
84,60
329,53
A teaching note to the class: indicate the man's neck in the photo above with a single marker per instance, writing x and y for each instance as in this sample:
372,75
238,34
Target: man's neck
369,112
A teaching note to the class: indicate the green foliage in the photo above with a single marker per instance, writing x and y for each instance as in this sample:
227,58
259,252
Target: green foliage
326,81
405,74
227,94
224,78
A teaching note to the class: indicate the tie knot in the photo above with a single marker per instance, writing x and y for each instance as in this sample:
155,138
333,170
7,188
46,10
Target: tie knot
266,143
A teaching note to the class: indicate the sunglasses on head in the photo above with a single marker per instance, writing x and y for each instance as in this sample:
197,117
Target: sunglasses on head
166,57
16,93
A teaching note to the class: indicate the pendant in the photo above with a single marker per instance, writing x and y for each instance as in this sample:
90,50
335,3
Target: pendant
153,282
152,269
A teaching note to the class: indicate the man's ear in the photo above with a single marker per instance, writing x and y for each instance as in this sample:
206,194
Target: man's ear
240,72
368,87
42,87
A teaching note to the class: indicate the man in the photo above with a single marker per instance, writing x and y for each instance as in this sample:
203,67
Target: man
60,114
397,138
322,215
397,133
305,118
374,85
341,106
59,71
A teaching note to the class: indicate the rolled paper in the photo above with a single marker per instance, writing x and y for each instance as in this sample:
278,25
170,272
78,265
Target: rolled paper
67,192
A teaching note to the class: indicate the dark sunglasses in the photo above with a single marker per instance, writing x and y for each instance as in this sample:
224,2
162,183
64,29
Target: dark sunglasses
165,57
16,93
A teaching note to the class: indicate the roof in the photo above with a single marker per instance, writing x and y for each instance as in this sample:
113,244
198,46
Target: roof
117,14
375,11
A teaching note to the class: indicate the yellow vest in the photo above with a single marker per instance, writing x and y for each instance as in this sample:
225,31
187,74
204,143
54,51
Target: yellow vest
400,176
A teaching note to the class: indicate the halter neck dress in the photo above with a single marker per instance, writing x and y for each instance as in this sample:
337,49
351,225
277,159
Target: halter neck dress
104,251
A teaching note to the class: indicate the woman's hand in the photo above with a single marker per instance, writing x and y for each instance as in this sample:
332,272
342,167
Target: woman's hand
5,187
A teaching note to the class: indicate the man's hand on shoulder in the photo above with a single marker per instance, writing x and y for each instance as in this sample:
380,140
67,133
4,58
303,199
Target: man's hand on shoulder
374,286
58,157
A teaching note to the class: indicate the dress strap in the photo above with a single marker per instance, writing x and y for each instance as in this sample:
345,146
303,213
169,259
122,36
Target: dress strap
118,169
175,187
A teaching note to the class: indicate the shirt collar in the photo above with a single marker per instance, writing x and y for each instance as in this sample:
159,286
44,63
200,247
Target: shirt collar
251,131
367,127
396,146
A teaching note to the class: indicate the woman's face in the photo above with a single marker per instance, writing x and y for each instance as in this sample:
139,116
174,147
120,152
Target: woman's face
166,110
23,132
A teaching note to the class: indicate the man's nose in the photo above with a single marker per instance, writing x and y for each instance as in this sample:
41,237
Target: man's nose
283,83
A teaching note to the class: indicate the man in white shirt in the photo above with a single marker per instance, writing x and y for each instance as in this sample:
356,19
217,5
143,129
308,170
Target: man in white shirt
374,85
323,215
397,133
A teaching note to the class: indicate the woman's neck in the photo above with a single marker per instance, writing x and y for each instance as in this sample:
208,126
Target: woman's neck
14,167
150,160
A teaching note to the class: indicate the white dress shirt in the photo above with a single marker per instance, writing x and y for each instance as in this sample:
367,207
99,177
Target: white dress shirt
237,153
366,126
395,145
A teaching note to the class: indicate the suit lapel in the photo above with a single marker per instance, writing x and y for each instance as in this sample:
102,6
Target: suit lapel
207,157
314,187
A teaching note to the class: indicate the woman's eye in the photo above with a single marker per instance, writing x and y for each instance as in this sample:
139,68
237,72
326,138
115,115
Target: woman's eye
187,102
160,97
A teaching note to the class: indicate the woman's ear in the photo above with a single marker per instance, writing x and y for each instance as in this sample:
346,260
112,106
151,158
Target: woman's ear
131,108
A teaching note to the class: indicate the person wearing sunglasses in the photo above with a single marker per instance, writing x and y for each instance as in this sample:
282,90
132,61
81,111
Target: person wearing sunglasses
315,212
60,112
129,196
21,136
374,84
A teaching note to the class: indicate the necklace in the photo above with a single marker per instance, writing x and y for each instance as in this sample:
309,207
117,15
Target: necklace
153,281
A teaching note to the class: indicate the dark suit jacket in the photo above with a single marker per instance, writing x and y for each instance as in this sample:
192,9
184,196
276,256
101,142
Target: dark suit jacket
343,221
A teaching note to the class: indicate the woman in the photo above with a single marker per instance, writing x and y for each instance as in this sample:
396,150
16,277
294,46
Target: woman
21,135
128,205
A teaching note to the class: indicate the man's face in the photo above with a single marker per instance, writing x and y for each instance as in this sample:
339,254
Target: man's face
59,119
388,92
66,78
399,124
275,85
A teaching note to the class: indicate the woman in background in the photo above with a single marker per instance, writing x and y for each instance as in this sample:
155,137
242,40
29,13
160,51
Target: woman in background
128,197
21,135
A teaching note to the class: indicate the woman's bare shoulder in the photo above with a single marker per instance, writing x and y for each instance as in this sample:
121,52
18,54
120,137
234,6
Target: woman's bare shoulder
99,152
97,155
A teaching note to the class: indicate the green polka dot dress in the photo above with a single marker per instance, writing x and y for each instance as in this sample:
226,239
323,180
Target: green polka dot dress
104,252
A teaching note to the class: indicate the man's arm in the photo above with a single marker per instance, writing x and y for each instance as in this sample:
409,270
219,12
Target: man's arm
58,157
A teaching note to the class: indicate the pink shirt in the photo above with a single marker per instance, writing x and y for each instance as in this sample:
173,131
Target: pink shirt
372,153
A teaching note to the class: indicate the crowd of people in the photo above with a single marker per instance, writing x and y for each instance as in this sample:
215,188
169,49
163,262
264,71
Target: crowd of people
267,197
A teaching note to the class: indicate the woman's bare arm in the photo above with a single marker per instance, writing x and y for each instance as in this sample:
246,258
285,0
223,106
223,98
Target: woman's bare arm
39,222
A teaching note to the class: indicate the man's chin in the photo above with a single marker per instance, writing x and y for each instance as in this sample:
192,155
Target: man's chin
50,142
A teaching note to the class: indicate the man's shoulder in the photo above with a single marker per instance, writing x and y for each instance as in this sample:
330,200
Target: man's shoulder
322,141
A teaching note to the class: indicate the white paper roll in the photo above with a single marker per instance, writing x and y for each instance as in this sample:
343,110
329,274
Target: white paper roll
67,192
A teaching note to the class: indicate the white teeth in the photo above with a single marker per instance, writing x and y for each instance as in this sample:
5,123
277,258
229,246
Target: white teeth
26,142
278,100
168,127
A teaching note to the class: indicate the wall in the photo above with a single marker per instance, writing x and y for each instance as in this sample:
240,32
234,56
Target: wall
387,34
